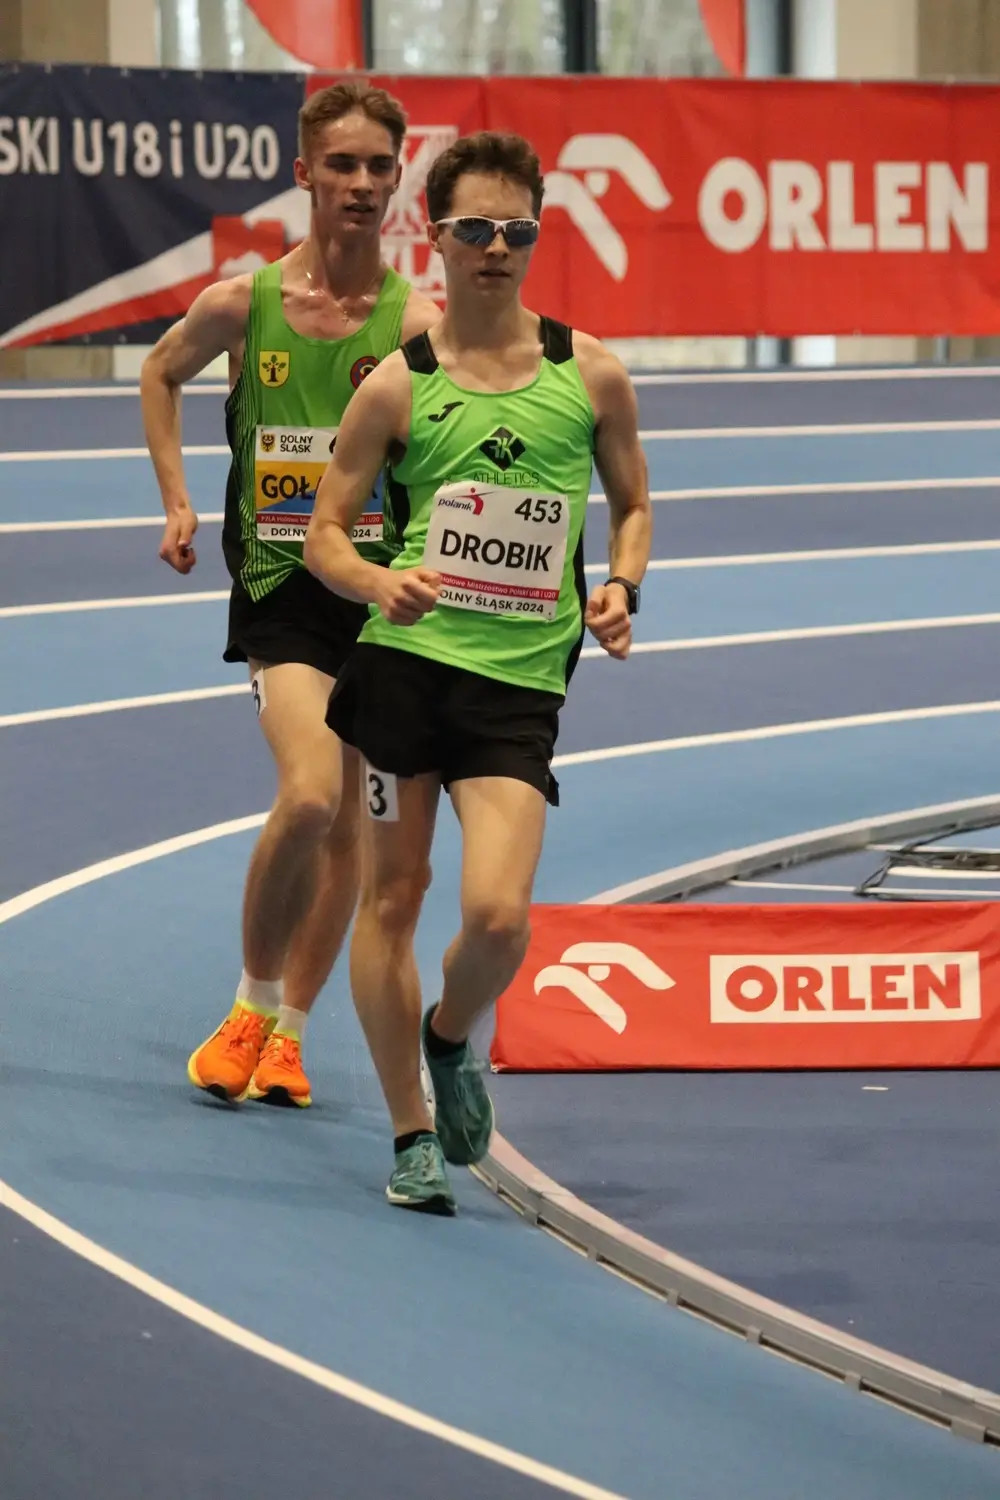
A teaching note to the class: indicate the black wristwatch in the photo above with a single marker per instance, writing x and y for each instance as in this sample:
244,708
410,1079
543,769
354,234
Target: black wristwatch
631,589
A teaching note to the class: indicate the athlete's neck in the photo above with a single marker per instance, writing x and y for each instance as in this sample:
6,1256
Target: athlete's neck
342,269
470,323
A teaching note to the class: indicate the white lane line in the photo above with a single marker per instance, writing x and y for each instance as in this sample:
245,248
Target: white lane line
59,455
777,731
841,487
205,1317
286,1359
715,492
820,554
111,523
796,376
807,633
724,376
137,601
83,392
786,885
647,435
120,705
817,429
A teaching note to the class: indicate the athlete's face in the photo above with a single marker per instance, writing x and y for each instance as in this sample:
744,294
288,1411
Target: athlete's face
494,270
351,173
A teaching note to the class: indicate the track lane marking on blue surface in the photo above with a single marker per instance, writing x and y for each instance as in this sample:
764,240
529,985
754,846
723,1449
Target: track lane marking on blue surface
692,377
646,435
712,492
252,1343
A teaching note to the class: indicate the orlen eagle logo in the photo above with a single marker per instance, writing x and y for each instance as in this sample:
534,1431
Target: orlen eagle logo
597,156
792,989
599,958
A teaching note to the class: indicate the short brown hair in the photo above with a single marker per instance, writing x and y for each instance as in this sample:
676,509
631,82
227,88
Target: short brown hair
488,151
343,99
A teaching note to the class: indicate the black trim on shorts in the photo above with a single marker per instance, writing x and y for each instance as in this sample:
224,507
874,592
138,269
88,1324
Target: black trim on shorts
298,621
411,715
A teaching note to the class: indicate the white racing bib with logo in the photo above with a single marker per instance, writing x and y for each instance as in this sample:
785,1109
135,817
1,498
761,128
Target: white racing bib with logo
499,551
289,463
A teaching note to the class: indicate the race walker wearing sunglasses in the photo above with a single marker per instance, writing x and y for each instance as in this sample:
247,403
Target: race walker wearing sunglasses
471,229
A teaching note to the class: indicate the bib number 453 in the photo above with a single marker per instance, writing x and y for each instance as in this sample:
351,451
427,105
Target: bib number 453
540,508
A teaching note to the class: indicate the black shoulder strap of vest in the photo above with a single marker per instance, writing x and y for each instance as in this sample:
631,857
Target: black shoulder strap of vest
419,355
557,341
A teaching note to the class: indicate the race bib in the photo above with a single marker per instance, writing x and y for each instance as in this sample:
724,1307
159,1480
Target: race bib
499,551
289,463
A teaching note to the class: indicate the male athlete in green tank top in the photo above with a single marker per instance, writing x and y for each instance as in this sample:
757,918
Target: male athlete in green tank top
492,422
301,336
281,421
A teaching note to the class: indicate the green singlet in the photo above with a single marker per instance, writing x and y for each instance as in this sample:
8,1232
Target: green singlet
281,421
492,493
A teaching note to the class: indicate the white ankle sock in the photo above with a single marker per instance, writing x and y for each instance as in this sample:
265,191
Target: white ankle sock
263,994
291,1022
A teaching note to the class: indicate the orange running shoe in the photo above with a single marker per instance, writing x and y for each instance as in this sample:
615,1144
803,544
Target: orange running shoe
224,1064
279,1077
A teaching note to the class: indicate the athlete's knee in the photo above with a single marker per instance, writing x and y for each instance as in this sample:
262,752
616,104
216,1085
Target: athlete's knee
497,922
395,903
306,811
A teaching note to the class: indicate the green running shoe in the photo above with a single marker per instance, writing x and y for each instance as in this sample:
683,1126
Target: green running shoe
419,1179
463,1108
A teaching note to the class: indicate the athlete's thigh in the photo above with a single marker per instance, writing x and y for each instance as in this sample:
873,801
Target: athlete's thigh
398,817
503,825
291,706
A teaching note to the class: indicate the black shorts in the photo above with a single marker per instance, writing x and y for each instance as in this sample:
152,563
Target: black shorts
300,620
408,715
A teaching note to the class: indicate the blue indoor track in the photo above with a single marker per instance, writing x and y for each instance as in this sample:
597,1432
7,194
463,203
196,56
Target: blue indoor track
208,1302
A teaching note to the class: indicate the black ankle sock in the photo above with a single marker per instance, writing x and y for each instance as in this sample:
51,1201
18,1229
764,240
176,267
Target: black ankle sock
437,1046
404,1142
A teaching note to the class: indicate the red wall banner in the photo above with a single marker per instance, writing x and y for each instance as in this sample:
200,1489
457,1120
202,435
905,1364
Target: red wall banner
729,206
915,985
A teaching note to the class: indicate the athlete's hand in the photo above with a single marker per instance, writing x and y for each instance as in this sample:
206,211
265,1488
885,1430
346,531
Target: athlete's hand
404,597
178,534
608,620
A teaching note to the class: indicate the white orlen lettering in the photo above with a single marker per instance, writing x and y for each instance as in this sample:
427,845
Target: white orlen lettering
791,204
845,232
965,208
732,175
894,181
819,988
796,193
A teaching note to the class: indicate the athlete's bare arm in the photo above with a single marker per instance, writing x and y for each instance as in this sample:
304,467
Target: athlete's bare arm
419,314
213,325
621,464
375,424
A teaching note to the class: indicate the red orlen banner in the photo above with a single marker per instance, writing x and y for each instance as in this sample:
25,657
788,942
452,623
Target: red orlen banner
728,206
608,987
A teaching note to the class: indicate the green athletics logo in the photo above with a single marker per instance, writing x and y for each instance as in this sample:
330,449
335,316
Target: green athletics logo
502,448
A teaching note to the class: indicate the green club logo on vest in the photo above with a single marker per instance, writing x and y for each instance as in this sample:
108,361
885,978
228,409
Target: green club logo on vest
272,366
502,448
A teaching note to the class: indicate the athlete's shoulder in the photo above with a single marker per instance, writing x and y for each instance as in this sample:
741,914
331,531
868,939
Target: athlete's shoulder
225,302
419,314
604,375
387,384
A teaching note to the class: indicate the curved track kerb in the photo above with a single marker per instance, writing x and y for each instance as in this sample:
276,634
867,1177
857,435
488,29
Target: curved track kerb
966,1410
